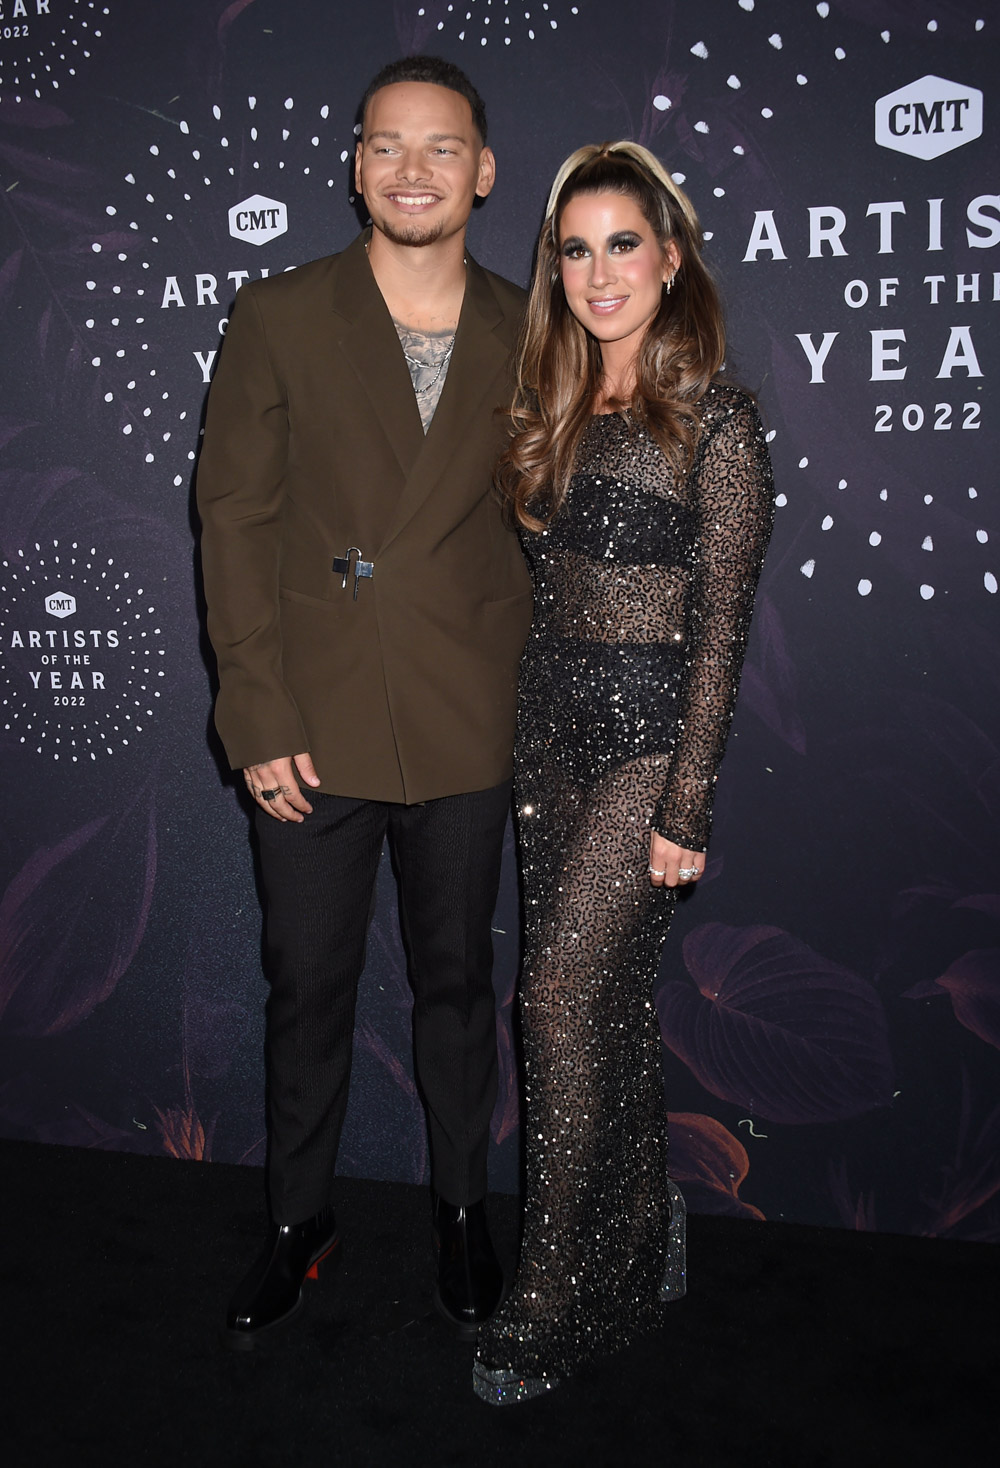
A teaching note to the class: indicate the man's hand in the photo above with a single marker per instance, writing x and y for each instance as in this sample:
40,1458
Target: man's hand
670,864
275,788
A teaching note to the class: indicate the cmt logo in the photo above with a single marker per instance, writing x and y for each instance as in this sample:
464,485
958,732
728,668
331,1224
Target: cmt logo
60,604
929,117
258,220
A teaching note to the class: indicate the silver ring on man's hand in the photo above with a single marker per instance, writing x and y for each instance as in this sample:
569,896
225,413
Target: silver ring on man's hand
270,794
654,873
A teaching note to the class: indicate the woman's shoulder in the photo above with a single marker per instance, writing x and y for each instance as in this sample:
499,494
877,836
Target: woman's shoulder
722,401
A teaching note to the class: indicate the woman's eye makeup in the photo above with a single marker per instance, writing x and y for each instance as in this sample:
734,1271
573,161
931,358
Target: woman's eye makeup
575,249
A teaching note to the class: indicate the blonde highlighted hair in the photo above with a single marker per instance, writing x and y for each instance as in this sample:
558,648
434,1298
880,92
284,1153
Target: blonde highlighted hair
558,363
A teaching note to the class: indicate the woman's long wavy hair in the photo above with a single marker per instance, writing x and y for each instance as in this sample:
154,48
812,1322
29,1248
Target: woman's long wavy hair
558,363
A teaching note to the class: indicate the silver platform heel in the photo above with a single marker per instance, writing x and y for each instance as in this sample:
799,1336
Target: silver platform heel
502,1388
674,1284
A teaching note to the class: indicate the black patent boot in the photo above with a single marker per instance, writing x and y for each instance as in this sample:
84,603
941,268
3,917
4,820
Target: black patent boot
469,1278
272,1291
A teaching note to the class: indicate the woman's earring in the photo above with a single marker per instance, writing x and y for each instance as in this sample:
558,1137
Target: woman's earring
670,282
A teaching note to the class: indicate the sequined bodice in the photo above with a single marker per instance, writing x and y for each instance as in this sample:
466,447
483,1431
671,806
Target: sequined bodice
643,589
616,564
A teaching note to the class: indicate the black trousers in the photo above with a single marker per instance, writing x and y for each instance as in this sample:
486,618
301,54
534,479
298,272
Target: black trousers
319,879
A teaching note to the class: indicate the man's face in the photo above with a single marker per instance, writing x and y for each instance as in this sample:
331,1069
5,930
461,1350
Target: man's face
420,163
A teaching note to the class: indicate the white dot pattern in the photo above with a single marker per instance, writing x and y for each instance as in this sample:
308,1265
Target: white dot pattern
80,682
38,51
484,22
173,191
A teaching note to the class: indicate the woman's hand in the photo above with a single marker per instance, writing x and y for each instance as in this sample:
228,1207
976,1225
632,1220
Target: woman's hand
672,866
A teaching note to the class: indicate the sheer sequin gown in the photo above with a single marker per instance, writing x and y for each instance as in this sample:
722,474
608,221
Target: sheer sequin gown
643,592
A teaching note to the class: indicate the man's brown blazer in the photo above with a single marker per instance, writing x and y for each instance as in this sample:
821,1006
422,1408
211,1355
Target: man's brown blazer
313,444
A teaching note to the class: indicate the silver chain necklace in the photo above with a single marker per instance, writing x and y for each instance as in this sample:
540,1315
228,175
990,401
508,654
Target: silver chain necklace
415,362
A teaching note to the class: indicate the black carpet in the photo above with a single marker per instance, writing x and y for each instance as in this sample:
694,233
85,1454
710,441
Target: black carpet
795,1346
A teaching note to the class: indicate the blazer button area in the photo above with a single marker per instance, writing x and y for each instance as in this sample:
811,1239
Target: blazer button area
362,568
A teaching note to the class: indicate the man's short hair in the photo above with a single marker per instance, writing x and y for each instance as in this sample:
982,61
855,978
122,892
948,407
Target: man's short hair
439,73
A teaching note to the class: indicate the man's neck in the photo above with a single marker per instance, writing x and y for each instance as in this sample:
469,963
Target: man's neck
423,286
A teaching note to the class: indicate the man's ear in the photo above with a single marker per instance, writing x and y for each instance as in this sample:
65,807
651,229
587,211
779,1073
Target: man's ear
487,172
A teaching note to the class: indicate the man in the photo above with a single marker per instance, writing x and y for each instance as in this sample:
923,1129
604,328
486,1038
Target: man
368,608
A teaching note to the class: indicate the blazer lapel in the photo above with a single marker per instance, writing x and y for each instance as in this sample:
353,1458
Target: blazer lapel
370,347
477,371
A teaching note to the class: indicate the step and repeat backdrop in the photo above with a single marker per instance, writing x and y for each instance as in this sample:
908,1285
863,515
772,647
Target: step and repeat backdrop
830,997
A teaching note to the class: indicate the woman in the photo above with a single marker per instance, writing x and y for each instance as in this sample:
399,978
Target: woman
643,489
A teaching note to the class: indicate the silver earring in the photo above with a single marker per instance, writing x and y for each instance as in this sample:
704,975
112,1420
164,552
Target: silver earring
670,282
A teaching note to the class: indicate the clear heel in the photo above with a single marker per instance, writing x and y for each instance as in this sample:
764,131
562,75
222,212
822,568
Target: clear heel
674,1284
502,1388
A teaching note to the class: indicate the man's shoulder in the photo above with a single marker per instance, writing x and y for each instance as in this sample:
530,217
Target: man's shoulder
299,282
510,297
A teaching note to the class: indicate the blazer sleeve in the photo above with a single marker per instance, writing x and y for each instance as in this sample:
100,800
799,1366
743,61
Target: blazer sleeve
240,491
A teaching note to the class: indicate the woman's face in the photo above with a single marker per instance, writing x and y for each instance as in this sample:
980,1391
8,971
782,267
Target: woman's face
612,269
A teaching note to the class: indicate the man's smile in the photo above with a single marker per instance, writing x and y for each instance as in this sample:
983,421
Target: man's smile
412,201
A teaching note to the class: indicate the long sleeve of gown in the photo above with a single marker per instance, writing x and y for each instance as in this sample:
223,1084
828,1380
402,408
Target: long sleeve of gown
733,500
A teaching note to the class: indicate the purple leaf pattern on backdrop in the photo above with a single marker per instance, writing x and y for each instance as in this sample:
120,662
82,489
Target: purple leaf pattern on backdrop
968,1204
768,687
29,113
72,920
214,1022
972,983
33,1110
9,273
231,13
30,498
43,167
775,1028
710,1164
9,431
209,1033
55,502
988,902
856,1209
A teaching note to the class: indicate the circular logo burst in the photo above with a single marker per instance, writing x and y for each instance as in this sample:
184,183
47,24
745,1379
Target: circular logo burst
501,21
42,42
81,652
228,197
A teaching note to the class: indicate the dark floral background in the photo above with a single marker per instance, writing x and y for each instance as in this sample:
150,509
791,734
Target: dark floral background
830,996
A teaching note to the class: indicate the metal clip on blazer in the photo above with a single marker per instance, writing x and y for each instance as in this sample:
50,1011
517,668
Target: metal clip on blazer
342,564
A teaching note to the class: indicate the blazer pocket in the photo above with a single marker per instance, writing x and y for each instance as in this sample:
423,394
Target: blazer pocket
506,624
509,603
323,603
